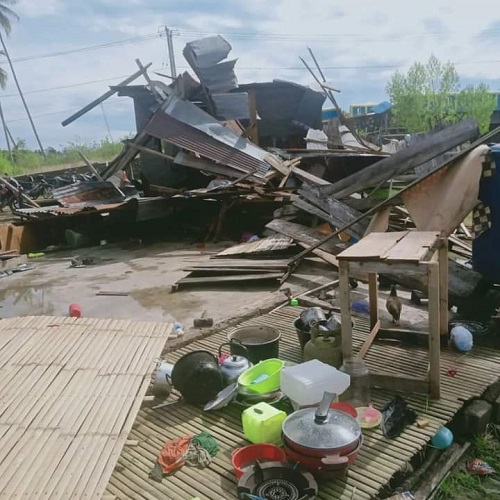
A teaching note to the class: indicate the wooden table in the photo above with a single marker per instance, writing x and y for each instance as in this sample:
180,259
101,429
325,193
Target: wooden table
415,252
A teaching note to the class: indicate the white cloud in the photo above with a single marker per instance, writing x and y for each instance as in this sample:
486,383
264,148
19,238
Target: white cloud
38,8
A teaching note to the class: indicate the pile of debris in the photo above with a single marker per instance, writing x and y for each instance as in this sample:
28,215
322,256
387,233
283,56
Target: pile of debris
263,148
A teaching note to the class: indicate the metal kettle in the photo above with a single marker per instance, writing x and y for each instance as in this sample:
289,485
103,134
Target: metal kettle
233,366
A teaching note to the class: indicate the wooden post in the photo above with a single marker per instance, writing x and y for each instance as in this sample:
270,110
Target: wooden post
345,309
373,297
443,287
434,330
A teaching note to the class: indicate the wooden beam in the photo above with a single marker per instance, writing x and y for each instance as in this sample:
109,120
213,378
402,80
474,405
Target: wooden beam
369,340
104,96
406,159
395,382
91,167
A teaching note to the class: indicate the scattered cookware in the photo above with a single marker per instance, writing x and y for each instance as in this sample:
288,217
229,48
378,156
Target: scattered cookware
262,423
276,480
233,365
162,382
242,458
321,432
198,377
261,342
262,378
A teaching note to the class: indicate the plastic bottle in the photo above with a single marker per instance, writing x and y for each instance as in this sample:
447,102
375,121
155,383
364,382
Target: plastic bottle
178,329
358,393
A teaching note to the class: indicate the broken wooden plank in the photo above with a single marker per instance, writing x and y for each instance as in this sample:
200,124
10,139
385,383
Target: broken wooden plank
304,234
406,159
227,279
369,340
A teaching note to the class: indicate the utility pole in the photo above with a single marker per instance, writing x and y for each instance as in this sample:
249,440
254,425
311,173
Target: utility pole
21,94
171,55
106,122
6,132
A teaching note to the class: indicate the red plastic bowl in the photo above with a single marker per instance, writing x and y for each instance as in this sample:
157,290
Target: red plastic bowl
248,455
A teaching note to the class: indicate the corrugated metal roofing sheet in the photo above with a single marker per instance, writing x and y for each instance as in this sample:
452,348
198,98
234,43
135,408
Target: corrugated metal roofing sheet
188,127
88,193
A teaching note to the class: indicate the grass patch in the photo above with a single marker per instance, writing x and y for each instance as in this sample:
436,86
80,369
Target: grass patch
28,161
460,484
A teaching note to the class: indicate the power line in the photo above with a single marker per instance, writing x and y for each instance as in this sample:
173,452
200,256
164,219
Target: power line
328,37
137,39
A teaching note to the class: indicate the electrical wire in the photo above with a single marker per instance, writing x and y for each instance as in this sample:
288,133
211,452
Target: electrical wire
137,39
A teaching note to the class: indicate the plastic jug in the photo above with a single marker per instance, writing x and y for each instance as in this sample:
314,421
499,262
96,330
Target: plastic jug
306,382
262,423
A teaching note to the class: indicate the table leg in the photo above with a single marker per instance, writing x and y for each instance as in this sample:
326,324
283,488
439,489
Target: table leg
345,309
443,288
373,295
434,333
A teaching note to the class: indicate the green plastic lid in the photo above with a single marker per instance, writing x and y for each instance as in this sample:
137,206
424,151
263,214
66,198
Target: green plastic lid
294,302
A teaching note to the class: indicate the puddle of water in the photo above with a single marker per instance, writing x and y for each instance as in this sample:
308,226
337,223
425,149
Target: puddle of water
26,301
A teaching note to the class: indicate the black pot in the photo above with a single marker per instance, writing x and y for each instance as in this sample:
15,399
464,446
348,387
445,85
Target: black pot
304,336
255,342
198,377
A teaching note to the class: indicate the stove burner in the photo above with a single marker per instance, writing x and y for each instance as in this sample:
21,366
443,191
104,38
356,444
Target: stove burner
278,489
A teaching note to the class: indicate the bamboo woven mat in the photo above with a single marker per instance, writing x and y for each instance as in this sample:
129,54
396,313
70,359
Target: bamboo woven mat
378,461
70,390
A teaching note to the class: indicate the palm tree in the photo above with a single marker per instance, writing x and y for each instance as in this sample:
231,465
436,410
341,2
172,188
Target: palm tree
6,16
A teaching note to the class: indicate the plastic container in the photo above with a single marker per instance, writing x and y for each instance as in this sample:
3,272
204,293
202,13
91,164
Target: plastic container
262,423
306,383
248,455
358,394
75,311
262,378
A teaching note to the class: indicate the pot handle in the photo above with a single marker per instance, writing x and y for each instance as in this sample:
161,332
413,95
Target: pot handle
234,341
334,460
321,415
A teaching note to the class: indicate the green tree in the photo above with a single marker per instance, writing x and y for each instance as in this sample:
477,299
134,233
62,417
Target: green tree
7,15
429,96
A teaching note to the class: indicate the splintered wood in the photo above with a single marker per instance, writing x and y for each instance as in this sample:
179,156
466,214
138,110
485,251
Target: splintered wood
70,390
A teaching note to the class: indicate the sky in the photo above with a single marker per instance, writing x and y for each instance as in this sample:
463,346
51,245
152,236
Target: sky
67,52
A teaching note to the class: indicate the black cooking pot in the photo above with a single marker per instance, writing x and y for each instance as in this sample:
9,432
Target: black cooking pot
255,342
198,377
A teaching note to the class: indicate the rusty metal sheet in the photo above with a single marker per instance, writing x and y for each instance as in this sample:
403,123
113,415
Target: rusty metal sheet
88,193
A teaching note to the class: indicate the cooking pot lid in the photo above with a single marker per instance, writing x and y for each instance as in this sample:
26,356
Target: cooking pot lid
336,430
